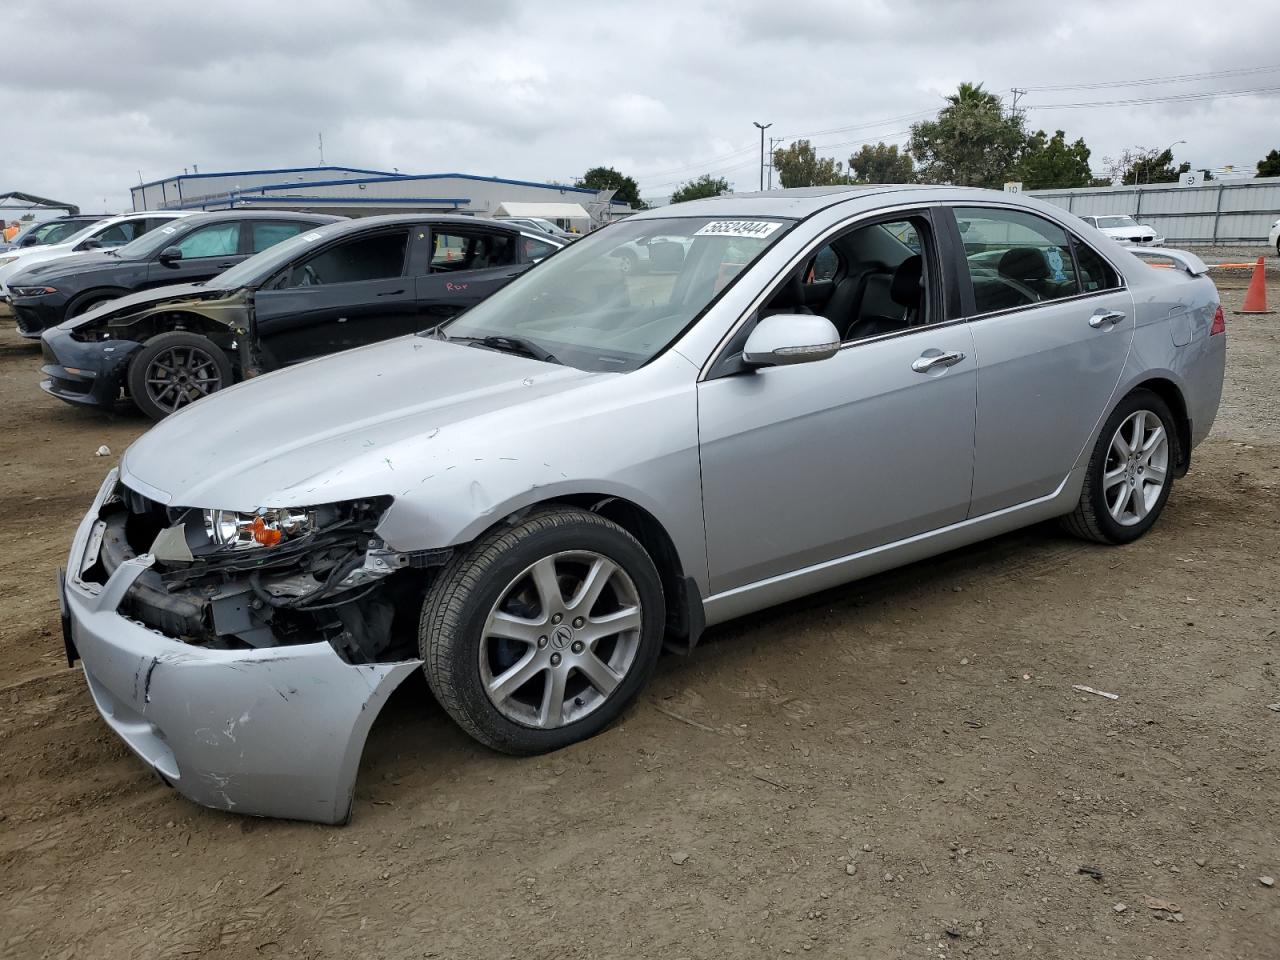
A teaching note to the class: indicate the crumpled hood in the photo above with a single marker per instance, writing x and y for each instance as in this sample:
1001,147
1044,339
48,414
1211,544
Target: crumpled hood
137,301
334,428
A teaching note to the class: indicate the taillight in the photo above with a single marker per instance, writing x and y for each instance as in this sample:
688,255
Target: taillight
1219,323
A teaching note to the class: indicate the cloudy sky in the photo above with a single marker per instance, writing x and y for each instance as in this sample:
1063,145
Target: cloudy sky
94,95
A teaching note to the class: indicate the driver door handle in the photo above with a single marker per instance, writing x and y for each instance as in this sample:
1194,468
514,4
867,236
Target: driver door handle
391,293
926,363
1104,317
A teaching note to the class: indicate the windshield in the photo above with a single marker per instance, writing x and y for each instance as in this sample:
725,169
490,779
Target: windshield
153,241
618,297
262,266
1117,222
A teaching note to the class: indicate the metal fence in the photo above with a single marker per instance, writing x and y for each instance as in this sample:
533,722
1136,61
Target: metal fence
1222,211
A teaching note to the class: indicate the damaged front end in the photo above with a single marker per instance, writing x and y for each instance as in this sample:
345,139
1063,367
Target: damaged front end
228,580
244,656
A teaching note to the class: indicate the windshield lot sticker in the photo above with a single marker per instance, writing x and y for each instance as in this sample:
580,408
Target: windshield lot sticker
739,228
167,229
311,237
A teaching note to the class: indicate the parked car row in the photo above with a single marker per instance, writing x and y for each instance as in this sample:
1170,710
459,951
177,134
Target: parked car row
199,301
529,500
54,230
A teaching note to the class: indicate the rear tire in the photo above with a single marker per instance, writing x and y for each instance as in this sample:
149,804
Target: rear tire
521,668
1130,472
175,369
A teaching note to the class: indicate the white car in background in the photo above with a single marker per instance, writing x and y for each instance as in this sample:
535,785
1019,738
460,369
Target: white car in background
1273,238
1124,229
103,235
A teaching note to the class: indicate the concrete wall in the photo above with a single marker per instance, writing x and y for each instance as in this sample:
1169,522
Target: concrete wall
1222,211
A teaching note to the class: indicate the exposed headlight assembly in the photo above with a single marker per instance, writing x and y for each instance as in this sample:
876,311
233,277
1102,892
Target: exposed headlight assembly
267,528
32,291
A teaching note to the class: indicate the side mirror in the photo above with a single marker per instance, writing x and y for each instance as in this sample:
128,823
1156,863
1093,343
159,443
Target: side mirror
93,244
170,255
788,338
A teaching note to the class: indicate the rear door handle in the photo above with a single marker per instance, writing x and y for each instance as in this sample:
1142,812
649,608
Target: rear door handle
1104,317
391,293
928,361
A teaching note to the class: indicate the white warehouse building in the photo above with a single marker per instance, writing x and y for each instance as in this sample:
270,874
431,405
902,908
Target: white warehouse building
354,192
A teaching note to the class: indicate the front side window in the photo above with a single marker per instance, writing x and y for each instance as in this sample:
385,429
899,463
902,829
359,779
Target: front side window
873,280
215,240
1015,259
376,257
591,308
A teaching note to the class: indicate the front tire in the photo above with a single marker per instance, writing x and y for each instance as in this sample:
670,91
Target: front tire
540,634
175,369
1130,473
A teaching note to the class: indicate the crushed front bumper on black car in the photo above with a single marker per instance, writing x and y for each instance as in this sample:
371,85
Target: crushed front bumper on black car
87,373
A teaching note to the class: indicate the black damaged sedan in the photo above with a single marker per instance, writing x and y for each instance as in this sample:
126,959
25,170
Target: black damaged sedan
339,286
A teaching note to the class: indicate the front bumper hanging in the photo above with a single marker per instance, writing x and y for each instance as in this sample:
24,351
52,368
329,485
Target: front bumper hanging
274,731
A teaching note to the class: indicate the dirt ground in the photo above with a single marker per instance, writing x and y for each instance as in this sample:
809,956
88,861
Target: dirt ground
897,768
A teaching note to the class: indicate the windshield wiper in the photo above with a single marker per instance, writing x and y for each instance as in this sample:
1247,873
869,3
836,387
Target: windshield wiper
509,344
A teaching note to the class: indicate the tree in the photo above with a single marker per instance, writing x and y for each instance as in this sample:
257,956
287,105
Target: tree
1051,162
800,166
705,186
1269,166
973,142
607,178
1145,165
881,164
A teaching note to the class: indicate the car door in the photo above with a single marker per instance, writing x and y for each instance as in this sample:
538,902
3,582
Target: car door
1052,325
352,292
206,251
460,266
808,463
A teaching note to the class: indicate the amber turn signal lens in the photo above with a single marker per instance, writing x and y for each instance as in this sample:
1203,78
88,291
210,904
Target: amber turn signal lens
265,535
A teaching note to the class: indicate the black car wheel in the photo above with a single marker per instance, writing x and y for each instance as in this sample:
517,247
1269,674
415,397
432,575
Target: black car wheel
86,304
175,369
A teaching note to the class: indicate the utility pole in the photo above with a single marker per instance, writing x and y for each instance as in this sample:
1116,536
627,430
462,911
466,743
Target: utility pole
763,127
773,145
1017,93
320,140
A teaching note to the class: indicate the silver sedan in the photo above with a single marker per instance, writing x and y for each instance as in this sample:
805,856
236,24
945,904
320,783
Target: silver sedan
530,501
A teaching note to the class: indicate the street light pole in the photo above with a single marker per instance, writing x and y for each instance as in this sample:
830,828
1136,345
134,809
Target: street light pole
763,127
1168,150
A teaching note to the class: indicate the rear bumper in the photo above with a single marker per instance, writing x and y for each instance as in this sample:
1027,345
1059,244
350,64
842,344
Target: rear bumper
89,374
274,732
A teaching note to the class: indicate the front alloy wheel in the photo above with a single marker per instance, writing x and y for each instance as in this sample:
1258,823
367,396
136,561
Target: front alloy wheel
561,638
541,632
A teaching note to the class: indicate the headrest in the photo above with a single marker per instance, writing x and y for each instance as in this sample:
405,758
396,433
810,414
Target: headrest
1024,263
905,288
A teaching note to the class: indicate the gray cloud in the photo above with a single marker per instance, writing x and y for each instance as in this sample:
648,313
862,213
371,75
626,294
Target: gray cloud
93,94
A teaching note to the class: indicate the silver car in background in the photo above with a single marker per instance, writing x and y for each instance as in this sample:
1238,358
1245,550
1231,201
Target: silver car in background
530,501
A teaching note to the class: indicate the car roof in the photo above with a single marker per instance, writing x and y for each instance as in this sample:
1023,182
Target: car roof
423,219
801,202
212,216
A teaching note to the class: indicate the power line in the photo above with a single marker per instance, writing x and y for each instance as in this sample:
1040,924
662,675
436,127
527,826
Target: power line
1172,98
1148,81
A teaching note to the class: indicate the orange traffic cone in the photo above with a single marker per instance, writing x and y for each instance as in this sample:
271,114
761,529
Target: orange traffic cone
1255,298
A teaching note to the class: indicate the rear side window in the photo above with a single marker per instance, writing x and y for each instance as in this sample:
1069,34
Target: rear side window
377,257
452,252
215,240
1015,259
269,233
1095,273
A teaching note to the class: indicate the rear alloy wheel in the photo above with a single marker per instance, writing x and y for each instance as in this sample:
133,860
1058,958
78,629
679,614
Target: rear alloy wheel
176,369
1130,473
540,634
